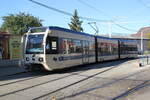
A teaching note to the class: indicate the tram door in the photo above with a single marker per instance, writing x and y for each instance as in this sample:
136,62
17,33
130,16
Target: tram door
85,52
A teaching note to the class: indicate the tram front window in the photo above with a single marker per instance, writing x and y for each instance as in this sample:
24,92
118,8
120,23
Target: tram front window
34,44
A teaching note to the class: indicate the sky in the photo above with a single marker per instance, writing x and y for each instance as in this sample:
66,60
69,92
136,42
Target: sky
126,16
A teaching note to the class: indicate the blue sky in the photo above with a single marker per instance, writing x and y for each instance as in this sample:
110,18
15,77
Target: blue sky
132,14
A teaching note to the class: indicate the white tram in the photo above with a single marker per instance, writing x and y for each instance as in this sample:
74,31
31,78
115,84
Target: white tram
56,48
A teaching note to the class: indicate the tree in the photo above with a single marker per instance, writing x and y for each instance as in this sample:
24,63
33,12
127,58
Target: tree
75,22
148,45
19,23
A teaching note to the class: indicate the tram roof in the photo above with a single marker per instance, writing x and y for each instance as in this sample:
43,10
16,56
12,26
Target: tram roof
122,40
106,38
82,33
69,31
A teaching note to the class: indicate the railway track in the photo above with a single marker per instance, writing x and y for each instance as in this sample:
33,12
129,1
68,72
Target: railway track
18,73
21,80
133,90
58,78
84,79
34,85
63,77
142,85
4,77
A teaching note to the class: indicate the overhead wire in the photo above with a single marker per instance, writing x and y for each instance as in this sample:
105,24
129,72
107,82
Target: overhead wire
100,11
84,18
66,13
145,5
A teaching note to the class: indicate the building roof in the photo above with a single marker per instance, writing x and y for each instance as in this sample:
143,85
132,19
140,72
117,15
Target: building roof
4,33
145,32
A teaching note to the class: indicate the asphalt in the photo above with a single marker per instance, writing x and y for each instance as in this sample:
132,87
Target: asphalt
122,82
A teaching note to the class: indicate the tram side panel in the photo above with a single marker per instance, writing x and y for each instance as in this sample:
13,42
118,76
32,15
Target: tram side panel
124,49
72,49
128,49
107,49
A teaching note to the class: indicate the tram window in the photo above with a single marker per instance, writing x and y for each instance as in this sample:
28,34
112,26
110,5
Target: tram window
103,48
76,48
91,48
52,45
65,45
114,49
68,46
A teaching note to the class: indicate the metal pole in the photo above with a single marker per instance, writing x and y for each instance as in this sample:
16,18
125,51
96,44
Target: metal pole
110,28
142,42
147,60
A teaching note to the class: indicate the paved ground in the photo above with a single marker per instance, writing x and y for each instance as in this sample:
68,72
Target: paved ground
117,80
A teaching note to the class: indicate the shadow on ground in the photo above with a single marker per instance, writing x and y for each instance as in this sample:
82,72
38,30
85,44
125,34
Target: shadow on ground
71,70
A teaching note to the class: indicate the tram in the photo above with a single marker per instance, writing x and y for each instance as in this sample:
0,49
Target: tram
53,48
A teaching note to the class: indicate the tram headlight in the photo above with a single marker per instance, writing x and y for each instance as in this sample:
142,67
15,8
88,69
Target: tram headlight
41,59
27,59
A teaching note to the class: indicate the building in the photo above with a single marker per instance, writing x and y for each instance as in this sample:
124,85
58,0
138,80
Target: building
4,45
143,33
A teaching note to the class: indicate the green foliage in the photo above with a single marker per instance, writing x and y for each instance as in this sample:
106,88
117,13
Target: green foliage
19,23
75,22
148,34
146,52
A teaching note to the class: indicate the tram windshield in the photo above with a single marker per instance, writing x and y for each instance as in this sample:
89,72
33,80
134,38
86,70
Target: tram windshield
34,44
